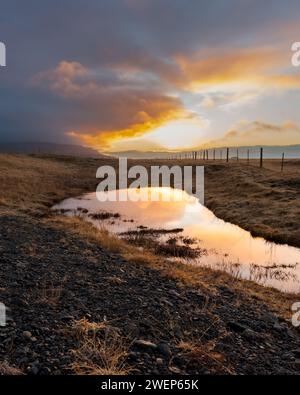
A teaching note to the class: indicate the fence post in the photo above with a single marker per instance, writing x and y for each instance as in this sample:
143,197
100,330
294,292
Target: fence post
227,154
261,158
282,161
248,156
237,154
214,154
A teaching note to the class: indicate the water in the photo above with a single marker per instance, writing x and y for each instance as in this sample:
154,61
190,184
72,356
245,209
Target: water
225,246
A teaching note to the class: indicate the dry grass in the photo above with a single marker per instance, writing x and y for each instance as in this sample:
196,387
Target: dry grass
185,275
204,355
7,370
168,248
102,350
109,241
35,183
264,201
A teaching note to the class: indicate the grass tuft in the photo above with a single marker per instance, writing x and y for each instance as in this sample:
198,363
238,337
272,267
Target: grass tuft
102,350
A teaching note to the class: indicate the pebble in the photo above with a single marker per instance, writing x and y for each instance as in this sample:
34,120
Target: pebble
27,335
145,344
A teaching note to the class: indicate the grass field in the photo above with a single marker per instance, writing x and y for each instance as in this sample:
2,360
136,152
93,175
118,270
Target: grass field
264,201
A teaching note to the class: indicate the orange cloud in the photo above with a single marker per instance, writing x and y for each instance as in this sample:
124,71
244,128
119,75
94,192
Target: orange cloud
104,139
113,111
258,133
237,68
120,102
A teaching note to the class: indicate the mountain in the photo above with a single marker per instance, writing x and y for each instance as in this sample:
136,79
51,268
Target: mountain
270,152
49,148
142,154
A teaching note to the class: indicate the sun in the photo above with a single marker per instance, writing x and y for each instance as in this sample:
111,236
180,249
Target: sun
179,134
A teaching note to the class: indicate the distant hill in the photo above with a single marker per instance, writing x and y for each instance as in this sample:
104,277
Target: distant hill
142,154
49,148
270,152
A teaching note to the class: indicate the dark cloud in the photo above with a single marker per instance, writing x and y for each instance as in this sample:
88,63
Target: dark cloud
128,49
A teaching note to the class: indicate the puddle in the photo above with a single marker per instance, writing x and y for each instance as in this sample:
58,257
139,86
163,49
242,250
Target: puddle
221,245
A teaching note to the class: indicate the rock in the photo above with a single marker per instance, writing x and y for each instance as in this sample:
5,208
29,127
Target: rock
164,350
251,335
27,335
174,293
174,370
236,326
67,317
20,302
34,368
167,302
146,344
296,352
133,356
159,361
279,328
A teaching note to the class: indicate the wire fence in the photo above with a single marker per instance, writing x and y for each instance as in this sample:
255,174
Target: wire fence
230,155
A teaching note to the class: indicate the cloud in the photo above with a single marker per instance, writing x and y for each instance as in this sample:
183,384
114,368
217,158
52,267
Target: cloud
116,69
108,111
234,69
208,102
246,133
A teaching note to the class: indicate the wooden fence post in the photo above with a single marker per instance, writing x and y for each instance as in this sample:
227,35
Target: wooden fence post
227,154
282,161
261,158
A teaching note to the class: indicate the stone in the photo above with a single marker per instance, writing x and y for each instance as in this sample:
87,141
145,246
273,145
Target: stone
27,335
236,326
146,344
164,350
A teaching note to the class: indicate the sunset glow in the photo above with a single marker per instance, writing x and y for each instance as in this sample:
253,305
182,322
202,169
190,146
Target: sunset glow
146,86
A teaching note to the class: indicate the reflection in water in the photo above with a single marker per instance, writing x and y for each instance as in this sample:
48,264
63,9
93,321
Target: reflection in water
229,248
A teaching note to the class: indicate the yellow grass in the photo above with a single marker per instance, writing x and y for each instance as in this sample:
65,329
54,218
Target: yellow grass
236,192
7,370
185,275
99,355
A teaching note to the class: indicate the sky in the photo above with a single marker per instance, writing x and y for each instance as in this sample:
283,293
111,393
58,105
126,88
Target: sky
150,74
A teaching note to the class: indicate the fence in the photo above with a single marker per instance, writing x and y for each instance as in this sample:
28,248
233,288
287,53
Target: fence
225,154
